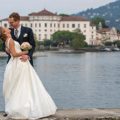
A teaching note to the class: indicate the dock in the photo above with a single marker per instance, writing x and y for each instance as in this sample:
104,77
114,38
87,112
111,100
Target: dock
80,114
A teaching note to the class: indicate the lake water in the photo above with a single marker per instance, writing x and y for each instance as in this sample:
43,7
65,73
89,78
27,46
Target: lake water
86,80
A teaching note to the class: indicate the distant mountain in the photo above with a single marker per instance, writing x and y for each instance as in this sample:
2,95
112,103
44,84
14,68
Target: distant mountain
110,12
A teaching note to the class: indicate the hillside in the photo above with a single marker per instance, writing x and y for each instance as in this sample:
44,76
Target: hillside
110,12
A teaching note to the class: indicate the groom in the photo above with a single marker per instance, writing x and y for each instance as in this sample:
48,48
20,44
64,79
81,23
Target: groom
21,34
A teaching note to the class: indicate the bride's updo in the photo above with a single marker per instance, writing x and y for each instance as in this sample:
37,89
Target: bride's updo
2,34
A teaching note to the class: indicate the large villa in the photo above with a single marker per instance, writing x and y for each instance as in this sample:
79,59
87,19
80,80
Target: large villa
45,23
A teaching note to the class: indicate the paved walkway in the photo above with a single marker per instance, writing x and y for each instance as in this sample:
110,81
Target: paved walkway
81,114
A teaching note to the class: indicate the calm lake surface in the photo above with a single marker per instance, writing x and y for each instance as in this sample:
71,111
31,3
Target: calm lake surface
86,80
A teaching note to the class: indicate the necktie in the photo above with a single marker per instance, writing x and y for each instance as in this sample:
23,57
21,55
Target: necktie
16,33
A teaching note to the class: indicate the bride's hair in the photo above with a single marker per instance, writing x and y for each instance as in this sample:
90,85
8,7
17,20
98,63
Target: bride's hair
2,34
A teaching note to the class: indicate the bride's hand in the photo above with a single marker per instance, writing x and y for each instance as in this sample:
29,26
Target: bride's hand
24,58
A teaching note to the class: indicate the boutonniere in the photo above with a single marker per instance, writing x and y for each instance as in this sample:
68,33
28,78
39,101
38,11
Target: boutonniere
25,35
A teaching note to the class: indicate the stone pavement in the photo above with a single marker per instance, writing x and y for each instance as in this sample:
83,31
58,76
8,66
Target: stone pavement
81,114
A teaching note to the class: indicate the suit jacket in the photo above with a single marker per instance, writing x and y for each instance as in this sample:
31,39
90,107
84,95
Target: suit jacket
26,35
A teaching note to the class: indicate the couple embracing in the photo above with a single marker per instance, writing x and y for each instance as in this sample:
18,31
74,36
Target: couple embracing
24,94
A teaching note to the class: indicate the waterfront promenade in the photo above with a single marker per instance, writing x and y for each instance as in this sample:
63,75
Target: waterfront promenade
81,114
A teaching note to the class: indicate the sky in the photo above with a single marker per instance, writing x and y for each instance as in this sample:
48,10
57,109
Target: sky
24,7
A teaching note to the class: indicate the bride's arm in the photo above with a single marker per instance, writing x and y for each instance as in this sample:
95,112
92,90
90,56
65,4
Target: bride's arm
13,51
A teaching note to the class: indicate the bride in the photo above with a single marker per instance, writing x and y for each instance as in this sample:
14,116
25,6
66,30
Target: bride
24,93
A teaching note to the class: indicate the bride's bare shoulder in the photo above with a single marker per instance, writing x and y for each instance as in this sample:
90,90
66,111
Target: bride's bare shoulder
9,43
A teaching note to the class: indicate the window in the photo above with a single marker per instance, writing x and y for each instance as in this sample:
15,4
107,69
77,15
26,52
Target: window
45,36
45,24
35,24
84,25
39,36
31,25
67,25
63,25
39,24
78,25
45,30
73,25
58,25
92,36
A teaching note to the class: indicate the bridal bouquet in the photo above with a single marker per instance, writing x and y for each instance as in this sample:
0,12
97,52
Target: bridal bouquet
25,46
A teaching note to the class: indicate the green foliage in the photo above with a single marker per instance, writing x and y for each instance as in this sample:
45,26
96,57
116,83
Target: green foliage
1,45
74,39
62,37
62,14
78,41
54,43
38,44
77,30
117,42
35,37
97,21
108,43
47,42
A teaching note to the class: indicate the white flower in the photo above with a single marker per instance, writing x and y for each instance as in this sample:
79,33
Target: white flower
25,46
25,35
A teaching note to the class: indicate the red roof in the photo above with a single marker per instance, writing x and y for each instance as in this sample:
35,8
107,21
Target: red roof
24,18
42,13
73,18
104,30
48,13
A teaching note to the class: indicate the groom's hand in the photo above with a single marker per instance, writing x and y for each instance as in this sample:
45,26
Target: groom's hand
24,58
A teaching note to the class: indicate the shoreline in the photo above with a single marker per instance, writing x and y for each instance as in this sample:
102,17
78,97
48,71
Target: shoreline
81,114
35,54
64,51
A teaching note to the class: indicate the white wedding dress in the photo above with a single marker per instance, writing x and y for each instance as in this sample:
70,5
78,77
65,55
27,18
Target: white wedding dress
24,93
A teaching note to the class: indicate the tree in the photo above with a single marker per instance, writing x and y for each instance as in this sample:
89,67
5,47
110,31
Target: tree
78,41
108,43
117,42
47,43
99,20
62,14
77,30
75,39
62,37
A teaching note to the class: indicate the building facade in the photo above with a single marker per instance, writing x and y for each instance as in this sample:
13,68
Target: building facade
45,23
107,35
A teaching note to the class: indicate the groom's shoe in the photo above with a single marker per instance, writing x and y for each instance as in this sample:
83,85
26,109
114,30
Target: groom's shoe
5,114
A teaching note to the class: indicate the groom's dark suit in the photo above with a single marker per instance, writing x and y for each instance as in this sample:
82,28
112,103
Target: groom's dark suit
26,35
